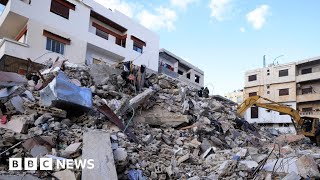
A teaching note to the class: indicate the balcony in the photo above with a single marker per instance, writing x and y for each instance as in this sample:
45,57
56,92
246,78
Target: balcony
314,114
168,72
308,77
10,48
308,97
11,20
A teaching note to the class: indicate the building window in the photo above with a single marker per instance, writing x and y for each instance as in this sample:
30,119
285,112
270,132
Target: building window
268,74
254,112
268,86
55,46
252,94
306,90
102,34
188,75
61,8
308,109
122,42
283,92
268,92
138,44
137,47
284,72
252,78
180,72
306,71
197,79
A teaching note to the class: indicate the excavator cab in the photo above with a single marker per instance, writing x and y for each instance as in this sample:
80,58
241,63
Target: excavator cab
310,128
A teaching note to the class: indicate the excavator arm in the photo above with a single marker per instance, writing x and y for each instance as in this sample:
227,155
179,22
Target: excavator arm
272,105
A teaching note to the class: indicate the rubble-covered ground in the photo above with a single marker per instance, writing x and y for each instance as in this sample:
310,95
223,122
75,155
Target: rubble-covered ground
157,128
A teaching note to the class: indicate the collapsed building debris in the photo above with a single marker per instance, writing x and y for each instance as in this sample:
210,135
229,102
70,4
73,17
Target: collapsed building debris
160,129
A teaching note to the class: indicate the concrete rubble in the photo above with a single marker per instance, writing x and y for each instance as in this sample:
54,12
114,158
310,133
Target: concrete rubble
162,130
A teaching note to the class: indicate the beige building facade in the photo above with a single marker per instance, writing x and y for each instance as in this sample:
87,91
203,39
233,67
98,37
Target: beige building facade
308,87
278,84
235,96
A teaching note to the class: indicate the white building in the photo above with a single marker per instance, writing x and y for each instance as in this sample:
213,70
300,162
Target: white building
80,31
176,67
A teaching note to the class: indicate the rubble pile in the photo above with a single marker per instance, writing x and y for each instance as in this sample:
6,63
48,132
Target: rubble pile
138,126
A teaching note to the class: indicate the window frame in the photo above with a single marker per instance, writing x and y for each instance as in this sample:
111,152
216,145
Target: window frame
137,47
283,72
306,71
253,94
196,78
254,112
58,8
52,45
250,78
284,92
306,90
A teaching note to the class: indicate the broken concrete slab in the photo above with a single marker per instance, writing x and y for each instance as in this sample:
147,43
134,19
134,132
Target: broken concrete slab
97,146
140,98
19,123
65,174
101,73
307,167
289,138
39,151
283,165
120,154
8,79
24,177
161,117
72,148
292,176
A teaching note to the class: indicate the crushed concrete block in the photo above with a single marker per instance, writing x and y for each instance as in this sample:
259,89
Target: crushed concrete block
19,123
247,165
165,84
161,117
183,158
120,154
292,176
307,167
289,138
227,168
242,153
97,146
12,177
287,167
65,174
72,148
38,151
140,98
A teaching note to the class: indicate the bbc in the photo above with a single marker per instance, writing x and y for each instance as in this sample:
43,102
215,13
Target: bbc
29,164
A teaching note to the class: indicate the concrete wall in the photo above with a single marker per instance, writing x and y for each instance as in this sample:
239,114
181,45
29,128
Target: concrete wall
265,116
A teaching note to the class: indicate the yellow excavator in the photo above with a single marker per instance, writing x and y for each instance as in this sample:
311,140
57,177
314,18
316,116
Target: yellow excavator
308,126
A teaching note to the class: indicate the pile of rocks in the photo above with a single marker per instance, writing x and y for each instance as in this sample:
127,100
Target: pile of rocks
162,130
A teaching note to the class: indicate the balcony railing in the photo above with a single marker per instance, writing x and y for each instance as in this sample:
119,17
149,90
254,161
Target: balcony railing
308,97
310,113
168,72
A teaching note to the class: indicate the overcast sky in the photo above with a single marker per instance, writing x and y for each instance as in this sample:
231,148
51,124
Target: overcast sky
227,37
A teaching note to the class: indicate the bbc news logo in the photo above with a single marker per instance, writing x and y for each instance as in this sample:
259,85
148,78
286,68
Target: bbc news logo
48,164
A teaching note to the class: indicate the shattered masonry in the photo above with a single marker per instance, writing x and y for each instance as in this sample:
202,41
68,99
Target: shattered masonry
162,130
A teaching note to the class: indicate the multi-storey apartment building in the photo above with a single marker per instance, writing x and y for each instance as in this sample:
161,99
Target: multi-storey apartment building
176,67
235,96
276,83
308,87
80,31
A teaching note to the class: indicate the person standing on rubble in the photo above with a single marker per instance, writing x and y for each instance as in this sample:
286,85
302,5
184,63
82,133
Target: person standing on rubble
200,92
206,92
141,77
